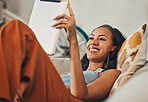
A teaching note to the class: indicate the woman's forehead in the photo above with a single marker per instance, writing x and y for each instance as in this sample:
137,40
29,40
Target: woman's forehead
102,31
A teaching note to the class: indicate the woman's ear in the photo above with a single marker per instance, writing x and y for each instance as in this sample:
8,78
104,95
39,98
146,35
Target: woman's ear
113,48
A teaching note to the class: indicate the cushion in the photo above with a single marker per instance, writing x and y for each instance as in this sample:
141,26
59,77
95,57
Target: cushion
131,56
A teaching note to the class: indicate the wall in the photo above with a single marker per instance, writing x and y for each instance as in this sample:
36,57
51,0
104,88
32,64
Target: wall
22,8
127,15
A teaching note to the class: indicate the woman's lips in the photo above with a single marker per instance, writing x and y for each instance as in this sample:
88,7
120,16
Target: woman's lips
93,49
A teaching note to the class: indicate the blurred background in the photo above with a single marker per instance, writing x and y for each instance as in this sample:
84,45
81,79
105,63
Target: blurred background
126,15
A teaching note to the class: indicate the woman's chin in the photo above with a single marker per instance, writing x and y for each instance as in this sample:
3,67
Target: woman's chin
92,58
93,54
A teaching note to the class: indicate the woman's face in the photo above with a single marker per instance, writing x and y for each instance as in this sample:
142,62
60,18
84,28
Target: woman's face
99,45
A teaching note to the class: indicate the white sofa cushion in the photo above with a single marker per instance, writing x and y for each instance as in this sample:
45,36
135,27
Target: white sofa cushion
135,90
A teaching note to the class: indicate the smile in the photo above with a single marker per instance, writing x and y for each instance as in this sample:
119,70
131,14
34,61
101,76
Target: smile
93,49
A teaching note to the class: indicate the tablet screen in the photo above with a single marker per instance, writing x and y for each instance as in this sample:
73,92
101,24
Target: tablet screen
51,0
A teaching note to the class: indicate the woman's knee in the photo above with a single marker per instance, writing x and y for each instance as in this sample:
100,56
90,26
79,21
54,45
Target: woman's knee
17,28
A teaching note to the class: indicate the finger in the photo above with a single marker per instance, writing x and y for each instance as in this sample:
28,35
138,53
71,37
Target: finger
59,23
60,26
70,9
63,16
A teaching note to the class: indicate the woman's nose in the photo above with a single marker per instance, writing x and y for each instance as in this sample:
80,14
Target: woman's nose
94,42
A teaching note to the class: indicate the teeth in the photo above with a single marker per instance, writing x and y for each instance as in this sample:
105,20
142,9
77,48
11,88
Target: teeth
93,50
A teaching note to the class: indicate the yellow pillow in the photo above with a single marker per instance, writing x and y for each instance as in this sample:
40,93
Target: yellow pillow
131,56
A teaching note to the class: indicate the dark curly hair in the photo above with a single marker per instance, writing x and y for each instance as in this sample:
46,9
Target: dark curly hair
111,61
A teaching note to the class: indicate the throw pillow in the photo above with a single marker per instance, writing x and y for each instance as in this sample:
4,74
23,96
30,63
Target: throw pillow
131,57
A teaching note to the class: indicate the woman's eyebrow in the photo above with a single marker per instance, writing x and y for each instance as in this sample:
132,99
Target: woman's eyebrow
92,35
98,35
103,35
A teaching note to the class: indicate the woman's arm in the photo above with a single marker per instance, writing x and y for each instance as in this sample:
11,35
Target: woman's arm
77,82
101,87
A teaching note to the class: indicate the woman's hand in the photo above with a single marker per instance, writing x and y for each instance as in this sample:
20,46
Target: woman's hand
68,23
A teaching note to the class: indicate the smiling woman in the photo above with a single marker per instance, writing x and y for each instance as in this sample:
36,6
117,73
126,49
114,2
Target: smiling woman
102,48
104,36
99,46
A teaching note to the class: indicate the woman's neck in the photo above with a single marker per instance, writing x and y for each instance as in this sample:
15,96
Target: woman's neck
94,66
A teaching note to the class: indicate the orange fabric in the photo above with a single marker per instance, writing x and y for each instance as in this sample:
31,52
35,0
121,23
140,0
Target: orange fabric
25,68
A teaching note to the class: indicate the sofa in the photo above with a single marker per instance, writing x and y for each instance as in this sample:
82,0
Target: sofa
134,90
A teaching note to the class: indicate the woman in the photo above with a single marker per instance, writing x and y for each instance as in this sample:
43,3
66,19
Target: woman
27,71
109,62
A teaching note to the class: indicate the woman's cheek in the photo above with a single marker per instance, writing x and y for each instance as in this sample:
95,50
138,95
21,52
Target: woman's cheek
87,44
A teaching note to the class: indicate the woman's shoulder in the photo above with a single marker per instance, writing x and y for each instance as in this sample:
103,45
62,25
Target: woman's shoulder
112,72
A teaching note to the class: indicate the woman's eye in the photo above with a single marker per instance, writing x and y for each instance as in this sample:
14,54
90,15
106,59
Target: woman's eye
90,38
102,39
